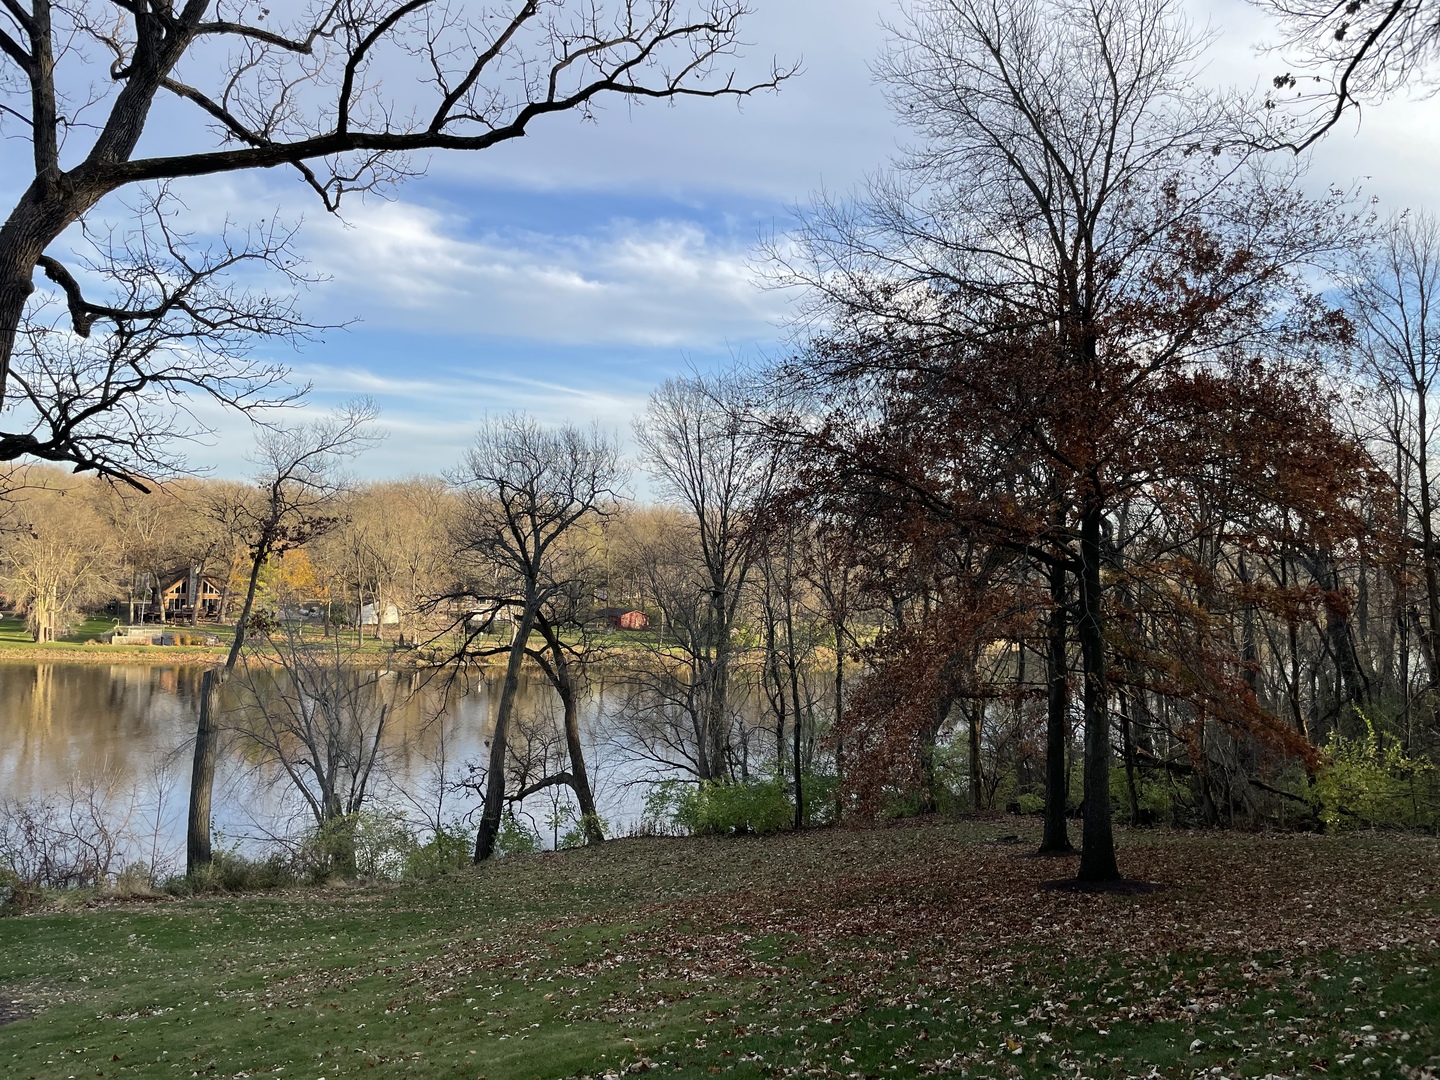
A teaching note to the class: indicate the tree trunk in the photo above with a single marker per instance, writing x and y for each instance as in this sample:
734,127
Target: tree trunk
793,664
716,720
570,701
495,777
1056,839
839,715
1097,850
976,778
580,776
202,771
202,776
1127,742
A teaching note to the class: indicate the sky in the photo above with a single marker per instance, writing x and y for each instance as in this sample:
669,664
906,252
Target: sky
570,272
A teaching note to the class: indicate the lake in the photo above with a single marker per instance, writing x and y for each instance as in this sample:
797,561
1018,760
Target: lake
124,731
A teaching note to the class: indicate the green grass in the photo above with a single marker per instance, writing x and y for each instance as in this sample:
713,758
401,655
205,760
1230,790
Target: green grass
13,632
906,951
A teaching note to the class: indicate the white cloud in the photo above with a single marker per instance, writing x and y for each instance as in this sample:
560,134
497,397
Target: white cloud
664,283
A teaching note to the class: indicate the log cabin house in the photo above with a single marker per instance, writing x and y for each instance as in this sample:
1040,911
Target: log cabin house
184,589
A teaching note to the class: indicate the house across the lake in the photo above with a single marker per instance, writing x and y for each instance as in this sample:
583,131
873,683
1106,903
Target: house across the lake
624,618
186,588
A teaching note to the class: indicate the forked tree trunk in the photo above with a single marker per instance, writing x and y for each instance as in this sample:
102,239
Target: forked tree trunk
570,701
494,806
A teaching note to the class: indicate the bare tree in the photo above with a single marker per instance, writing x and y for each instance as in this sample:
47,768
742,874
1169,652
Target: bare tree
702,455
321,720
120,402
311,91
297,486
526,492
1394,299
1351,53
57,560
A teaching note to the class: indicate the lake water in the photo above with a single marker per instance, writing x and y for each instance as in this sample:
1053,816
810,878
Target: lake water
126,731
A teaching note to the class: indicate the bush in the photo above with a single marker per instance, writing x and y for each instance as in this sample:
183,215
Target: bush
1030,803
662,808
757,807
574,836
1153,796
751,807
1371,781
16,895
450,848
60,843
820,799
229,871
516,838
137,879
383,844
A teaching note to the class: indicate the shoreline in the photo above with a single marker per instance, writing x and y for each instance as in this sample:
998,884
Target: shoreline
156,655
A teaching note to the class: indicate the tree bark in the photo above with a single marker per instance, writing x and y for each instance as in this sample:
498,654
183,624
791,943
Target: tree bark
1097,851
976,778
198,853
1056,838
579,778
495,776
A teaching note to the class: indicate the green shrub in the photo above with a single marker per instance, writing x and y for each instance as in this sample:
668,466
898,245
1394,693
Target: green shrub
17,895
1371,781
662,807
229,871
1152,795
1030,803
516,838
819,791
574,836
383,843
758,807
450,848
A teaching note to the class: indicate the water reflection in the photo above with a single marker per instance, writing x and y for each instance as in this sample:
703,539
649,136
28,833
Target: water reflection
128,727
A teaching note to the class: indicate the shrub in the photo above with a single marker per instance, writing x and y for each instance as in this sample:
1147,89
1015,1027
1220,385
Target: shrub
574,836
229,871
137,879
758,807
662,808
1372,781
383,844
60,843
16,895
1153,796
820,802
450,848
516,838
1030,803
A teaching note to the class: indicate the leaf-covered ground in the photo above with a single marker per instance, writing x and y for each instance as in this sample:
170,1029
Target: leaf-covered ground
917,950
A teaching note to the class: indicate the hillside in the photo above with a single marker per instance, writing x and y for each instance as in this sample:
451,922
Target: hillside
919,949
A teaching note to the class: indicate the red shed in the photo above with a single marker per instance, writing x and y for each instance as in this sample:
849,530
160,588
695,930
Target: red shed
625,618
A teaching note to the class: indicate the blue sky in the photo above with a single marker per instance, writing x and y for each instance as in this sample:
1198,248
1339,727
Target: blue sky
569,273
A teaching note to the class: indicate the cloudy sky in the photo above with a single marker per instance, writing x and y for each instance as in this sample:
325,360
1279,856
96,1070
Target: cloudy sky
567,274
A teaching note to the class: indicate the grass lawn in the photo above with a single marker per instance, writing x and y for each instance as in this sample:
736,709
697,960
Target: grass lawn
917,950
14,633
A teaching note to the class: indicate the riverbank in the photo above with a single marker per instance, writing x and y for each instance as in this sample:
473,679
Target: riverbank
920,949
85,646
